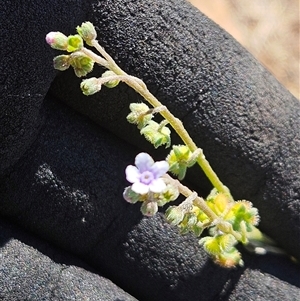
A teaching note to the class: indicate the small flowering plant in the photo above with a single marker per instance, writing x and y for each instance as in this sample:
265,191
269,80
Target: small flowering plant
227,221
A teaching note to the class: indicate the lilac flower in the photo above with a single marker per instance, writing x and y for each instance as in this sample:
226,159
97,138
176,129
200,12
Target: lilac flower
145,176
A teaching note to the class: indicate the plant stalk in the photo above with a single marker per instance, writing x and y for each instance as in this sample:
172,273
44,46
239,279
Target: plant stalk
176,124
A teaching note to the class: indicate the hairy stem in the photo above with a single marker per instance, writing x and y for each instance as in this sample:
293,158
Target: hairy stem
196,201
176,124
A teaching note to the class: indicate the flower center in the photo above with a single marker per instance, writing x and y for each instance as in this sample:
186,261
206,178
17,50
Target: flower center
146,177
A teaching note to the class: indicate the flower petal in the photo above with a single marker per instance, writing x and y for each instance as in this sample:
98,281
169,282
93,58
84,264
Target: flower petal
157,186
159,168
132,174
140,188
143,162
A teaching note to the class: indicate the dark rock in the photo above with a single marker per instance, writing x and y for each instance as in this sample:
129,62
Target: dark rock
26,70
63,175
33,270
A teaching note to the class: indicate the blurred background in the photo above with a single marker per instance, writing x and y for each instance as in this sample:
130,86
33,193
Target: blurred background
269,29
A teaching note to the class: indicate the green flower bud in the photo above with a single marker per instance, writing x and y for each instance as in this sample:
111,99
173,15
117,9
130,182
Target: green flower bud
171,193
242,211
179,159
74,43
174,215
139,114
111,83
149,208
210,245
61,62
197,229
82,64
226,242
87,32
229,259
90,86
130,196
182,152
188,222
156,134
57,40
218,203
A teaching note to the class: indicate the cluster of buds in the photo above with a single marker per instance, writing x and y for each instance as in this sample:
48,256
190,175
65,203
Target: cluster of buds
188,217
233,222
151,201
180,158
222,249
240,215
156,133
228,222
93,85
81,63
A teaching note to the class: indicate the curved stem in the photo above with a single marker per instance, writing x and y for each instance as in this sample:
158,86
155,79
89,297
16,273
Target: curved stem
197,200
176,124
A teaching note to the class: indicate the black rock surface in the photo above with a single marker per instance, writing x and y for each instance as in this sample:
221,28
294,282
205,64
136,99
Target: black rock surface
62,173
34,270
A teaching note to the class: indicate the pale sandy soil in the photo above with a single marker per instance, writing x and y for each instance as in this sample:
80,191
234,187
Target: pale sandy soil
269,29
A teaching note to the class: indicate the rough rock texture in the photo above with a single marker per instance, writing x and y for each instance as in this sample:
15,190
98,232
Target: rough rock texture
26,70
34,270
62,176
